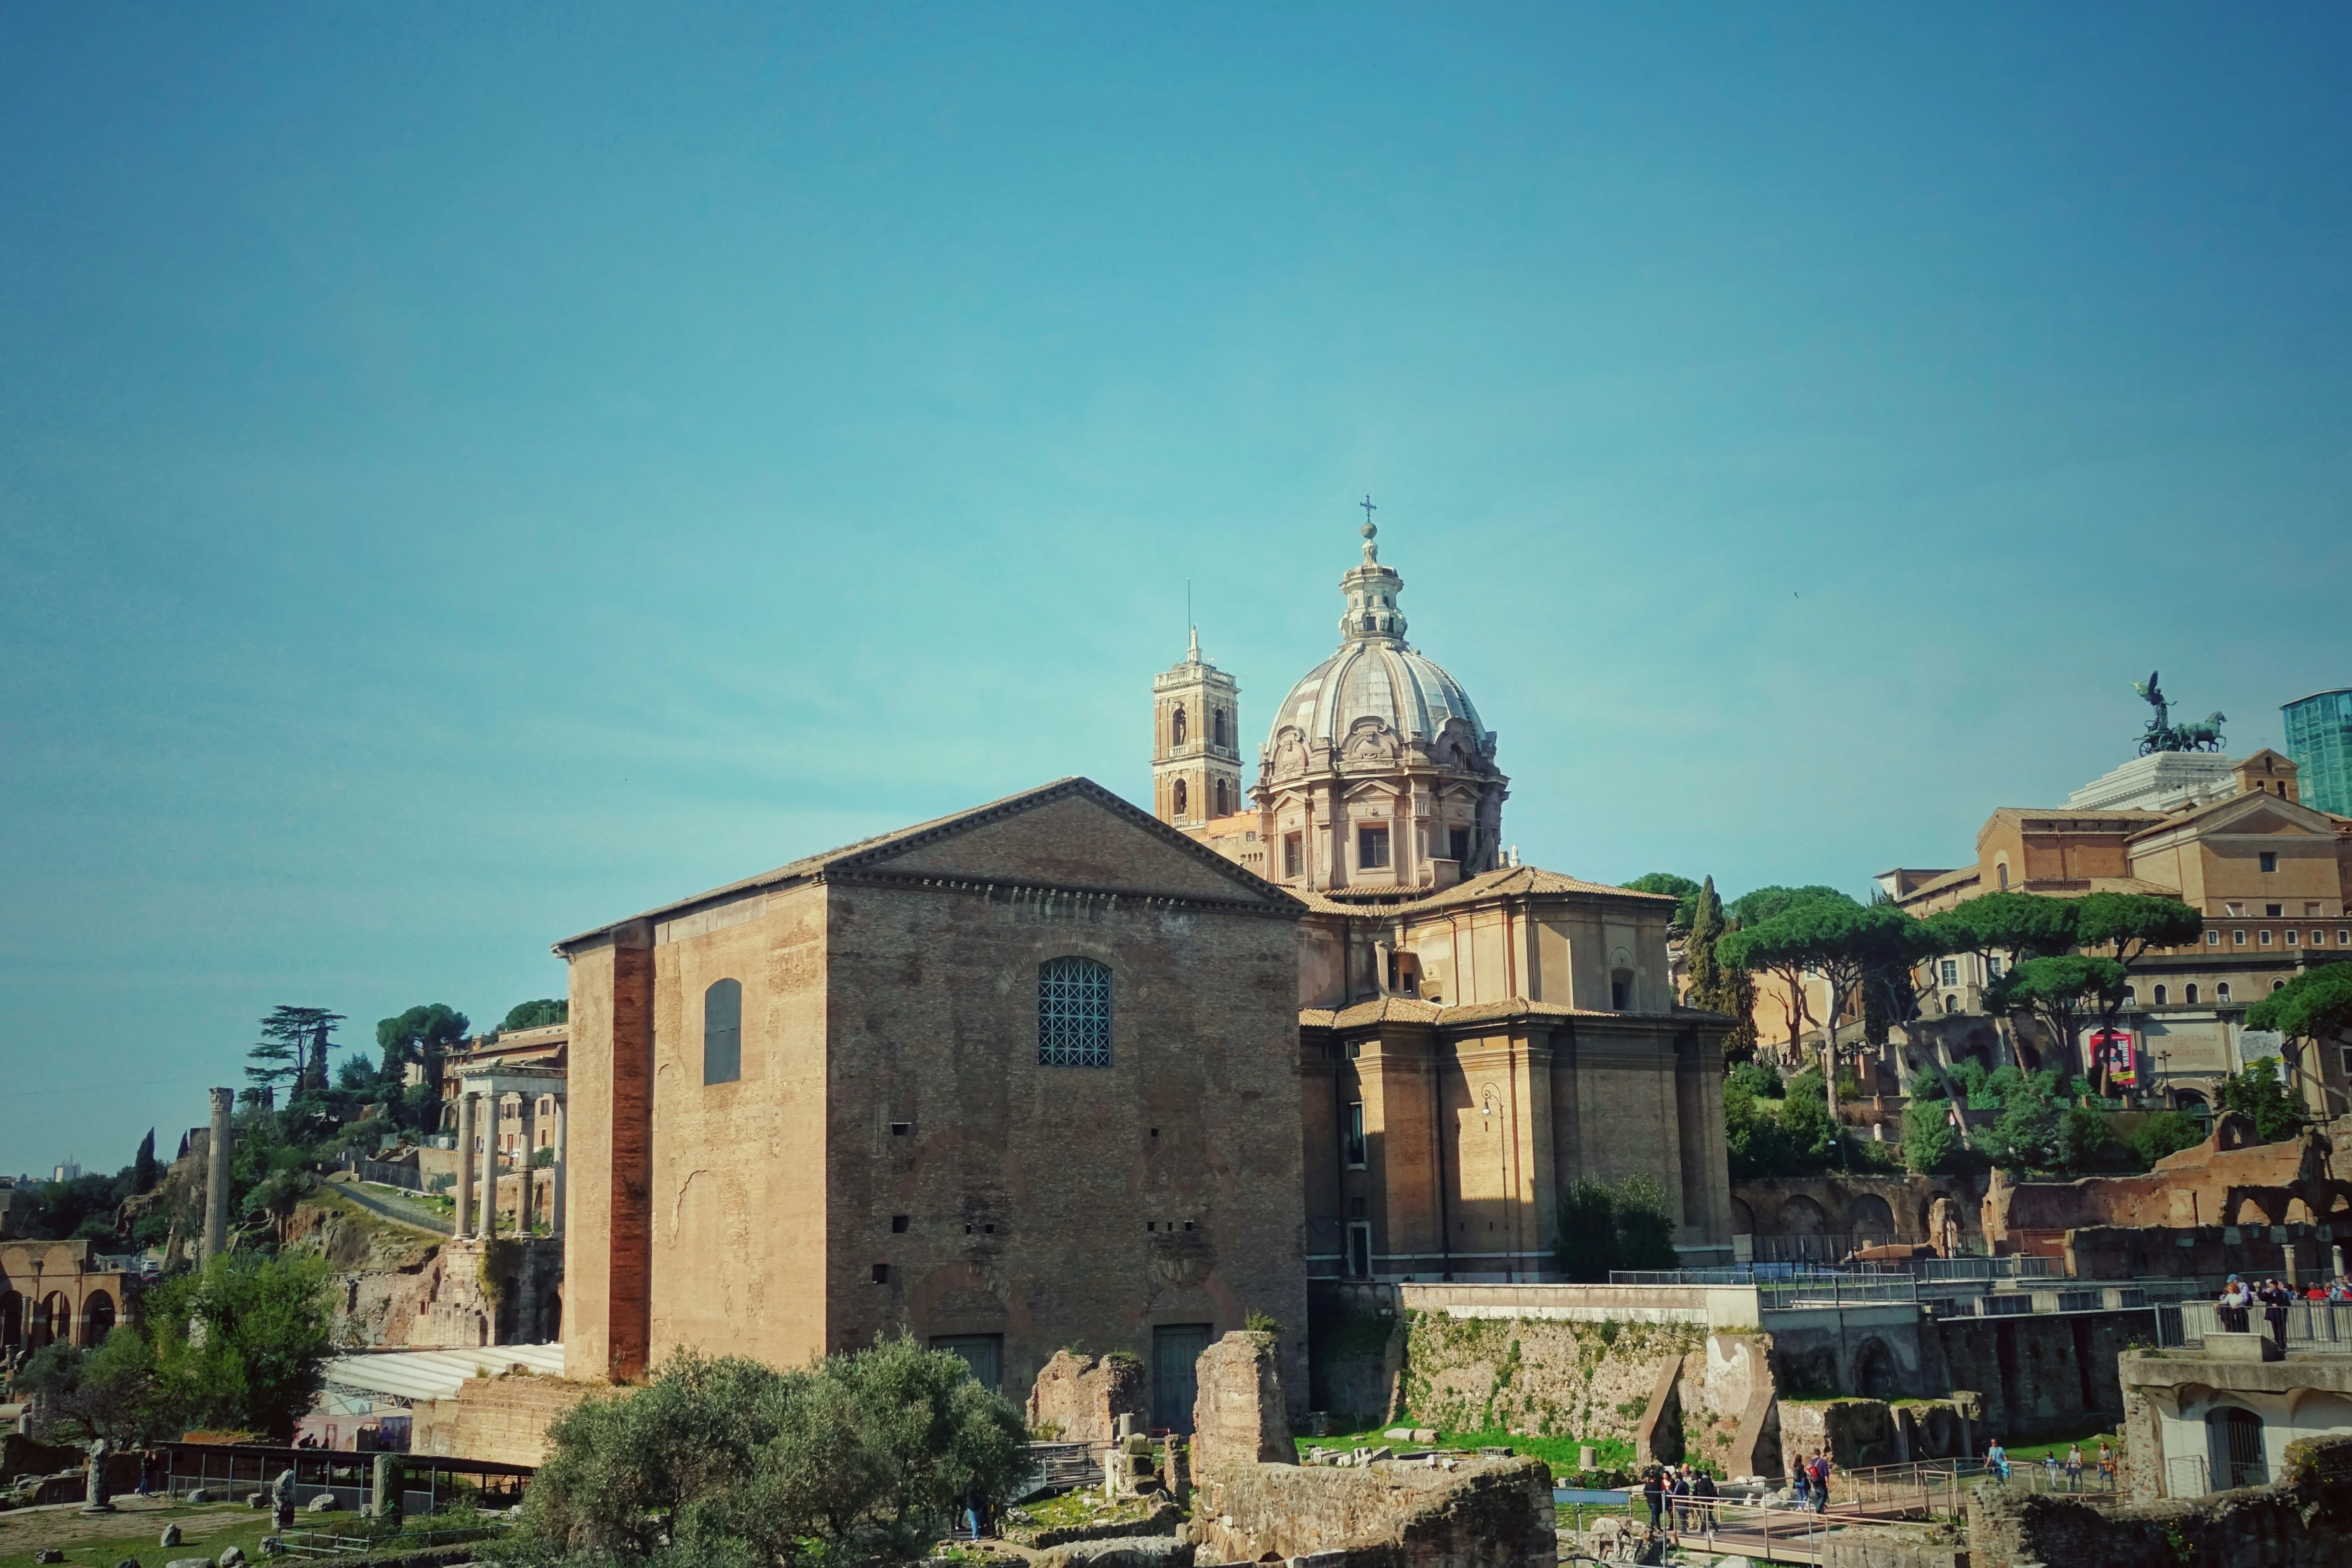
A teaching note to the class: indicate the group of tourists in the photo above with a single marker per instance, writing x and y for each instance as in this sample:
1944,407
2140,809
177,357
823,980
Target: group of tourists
1689,1492
2070,1468
2237,1300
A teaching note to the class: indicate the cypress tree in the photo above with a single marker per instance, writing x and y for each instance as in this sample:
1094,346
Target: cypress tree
142,1167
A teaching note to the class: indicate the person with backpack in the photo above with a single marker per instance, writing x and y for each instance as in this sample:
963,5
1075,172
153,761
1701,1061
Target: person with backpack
1997,1460
1821,1481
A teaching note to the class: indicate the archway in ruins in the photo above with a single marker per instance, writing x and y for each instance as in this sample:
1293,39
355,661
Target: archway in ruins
1876,1374
1870,1216
97,1318
1802,1216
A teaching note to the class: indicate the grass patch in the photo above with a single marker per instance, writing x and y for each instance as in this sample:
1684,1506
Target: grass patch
1558,1454
131,1537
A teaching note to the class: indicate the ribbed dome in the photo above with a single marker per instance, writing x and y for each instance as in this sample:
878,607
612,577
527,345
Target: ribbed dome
1376,680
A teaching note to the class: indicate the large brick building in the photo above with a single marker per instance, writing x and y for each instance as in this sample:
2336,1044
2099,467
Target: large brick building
1057,1071
1022,1078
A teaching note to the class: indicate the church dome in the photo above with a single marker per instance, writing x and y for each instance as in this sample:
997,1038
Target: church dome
1376,675
1412,695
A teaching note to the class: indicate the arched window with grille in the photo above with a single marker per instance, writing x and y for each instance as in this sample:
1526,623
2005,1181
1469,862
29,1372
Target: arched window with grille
1073,1013
722,1032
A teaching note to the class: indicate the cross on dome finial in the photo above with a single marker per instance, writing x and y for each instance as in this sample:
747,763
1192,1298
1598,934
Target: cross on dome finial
1370,530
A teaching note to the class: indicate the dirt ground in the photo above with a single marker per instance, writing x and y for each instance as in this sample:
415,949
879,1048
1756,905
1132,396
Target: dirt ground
133,1530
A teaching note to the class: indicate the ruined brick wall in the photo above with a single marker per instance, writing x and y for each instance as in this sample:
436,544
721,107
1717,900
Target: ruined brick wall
1079,1399
1592,1381
607,1141
2037,1375
499,1418
2304,1521
1239,1416
1489,1513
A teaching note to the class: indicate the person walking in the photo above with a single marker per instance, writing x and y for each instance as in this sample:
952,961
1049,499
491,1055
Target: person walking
1680,1491
1653,1492
1821,1481
2106,1464
1703,1496
1997,1460
2049,1469
2074,1466
1801,1486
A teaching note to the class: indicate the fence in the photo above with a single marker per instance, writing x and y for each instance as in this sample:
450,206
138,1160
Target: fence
427,1483
2310,1325
1837,1290
1942,1269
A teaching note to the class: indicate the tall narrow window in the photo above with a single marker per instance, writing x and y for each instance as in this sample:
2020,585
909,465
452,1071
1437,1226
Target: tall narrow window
1219,793
1176,726
1354,1140
1360,1251
2222,991
722,1032
2192,992
1218,726
1294,855
1183,797
1371,848
1620,989
2159,997
2270,861
1457,842
1073,1013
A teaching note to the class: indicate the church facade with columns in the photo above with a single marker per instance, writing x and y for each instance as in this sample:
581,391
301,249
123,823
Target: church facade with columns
1475,1035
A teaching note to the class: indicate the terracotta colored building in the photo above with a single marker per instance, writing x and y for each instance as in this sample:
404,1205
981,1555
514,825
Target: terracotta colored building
1022,1077
2271,875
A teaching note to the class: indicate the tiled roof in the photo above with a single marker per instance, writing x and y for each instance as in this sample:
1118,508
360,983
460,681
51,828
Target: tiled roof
1505,881
1413,1010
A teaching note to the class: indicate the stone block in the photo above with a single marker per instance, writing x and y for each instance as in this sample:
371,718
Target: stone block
1239,1416
1121,1552
1083,1399
2224,1345
1489,1513
170,1537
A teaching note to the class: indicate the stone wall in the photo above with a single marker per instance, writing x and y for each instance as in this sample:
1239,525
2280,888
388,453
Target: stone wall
500,1418
1355,1348
1239,1416
2304,1521
1896,1208
1591,1381
1485,1513
1079,1399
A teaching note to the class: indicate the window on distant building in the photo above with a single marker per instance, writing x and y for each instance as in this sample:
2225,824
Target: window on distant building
2190,994
1354,1140
2274,910
1360,1251
2278,985
1294,855
2293,937
2266,936
1992,967
2319,939
2213,939
722,1032
1218,726
2238,938
2222,991
1183,798
1951,1002
2003,868
1371,848
1223,805
1620,989
1073,1013
1951,968
1459,843
2269,859
2160,995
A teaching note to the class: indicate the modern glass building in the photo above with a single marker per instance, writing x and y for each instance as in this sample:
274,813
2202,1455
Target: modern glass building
2319,739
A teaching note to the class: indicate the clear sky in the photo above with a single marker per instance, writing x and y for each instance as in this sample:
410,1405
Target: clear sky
467,473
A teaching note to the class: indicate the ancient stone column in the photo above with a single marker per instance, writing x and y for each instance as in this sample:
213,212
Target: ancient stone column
555,1186
488,1118
465,1189
216,1177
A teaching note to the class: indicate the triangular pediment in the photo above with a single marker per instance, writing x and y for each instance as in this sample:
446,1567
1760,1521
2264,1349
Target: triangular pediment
1071,835
2266,813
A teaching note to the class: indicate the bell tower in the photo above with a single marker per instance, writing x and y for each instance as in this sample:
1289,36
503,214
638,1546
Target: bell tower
1196,758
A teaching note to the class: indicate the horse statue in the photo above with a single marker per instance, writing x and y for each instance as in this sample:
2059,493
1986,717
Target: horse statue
2202,734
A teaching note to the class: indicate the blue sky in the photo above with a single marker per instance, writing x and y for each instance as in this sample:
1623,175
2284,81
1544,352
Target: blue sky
465,474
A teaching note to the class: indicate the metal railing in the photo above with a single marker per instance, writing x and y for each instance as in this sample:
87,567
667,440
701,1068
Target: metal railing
1837,1290
1938,1269
2310,1325
1747,1274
